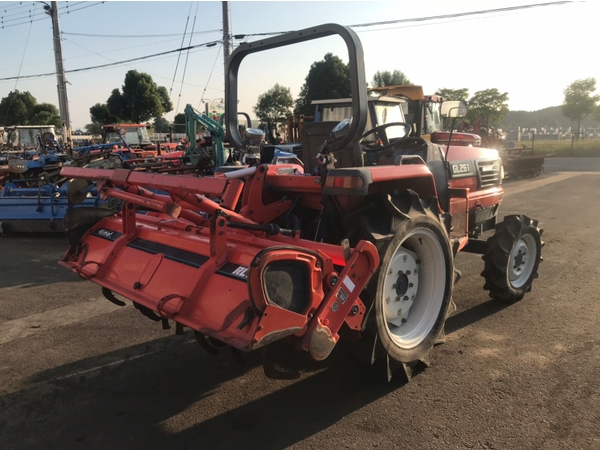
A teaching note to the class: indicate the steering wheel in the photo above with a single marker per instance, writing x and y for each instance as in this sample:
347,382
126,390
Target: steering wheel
386,143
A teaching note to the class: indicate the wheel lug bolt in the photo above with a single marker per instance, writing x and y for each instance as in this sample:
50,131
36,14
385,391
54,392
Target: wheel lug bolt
408,272
404,320
410,285
406,297
397,299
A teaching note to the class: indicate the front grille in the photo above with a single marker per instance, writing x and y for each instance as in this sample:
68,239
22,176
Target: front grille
489,173
483,214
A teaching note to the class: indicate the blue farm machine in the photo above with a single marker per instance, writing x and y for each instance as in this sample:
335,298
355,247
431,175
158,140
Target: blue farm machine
33,195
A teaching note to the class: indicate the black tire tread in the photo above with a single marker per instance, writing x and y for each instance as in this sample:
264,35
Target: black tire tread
401,207
497,255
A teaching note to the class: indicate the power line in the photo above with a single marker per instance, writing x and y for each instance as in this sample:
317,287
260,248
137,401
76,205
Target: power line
16,6
127,36
210,75
428,18
245,36
24,18
117,63
187,57
21,66
182,41
464,14
154,75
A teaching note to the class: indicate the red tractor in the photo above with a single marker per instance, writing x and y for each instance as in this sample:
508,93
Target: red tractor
423,111
358,242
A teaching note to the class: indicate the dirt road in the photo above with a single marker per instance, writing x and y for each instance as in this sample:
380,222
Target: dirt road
77,372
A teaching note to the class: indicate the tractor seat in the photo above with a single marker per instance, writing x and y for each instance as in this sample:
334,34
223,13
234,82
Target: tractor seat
312,136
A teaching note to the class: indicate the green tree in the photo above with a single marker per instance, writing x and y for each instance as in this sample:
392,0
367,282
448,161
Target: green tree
94,129
161,125
489,104
15,108
179,123
453,94
596,113
100,114
387,78
328,78
274,105
44,114
141,99
579,101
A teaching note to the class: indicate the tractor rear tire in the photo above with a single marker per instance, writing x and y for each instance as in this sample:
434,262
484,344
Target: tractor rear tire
414,283
512,258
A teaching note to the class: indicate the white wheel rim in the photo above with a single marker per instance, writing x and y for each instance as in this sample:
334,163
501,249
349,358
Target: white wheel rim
414,288
521,261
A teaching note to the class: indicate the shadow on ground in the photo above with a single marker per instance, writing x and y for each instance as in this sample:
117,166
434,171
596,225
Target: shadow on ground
146,396
102,402
30,260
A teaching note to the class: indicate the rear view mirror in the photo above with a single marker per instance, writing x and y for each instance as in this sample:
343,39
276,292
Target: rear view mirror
455,108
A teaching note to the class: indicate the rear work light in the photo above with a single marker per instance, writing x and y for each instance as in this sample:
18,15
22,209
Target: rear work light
346,182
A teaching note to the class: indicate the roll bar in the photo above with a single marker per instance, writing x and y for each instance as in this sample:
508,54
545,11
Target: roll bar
358,83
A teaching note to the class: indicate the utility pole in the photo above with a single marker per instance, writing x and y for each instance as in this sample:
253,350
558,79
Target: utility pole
226,33
63,101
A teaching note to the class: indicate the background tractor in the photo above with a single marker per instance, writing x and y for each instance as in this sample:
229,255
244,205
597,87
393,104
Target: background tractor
423,111
357,243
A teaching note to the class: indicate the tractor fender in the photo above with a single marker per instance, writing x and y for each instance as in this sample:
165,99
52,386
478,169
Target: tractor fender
362,181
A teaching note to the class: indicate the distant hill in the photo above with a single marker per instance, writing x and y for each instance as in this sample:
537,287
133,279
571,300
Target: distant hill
543,118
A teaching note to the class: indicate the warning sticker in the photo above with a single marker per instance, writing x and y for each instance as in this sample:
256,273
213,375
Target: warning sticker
349,284
342,296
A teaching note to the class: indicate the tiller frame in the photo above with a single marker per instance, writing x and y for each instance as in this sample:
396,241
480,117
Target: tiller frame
192,237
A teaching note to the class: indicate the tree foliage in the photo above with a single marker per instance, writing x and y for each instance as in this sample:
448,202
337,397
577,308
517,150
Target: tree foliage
21,108
140,99
328,78
161,125
100,114
387,78
179,123
596,114
274,105
579,101
45,114
94,129
453,94
489,104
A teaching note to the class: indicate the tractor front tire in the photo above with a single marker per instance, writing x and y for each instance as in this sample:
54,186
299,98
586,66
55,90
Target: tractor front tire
512,258
414,284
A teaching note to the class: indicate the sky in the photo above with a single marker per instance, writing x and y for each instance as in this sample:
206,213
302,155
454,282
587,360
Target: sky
530,49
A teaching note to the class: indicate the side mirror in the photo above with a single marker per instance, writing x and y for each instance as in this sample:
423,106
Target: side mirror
454,108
